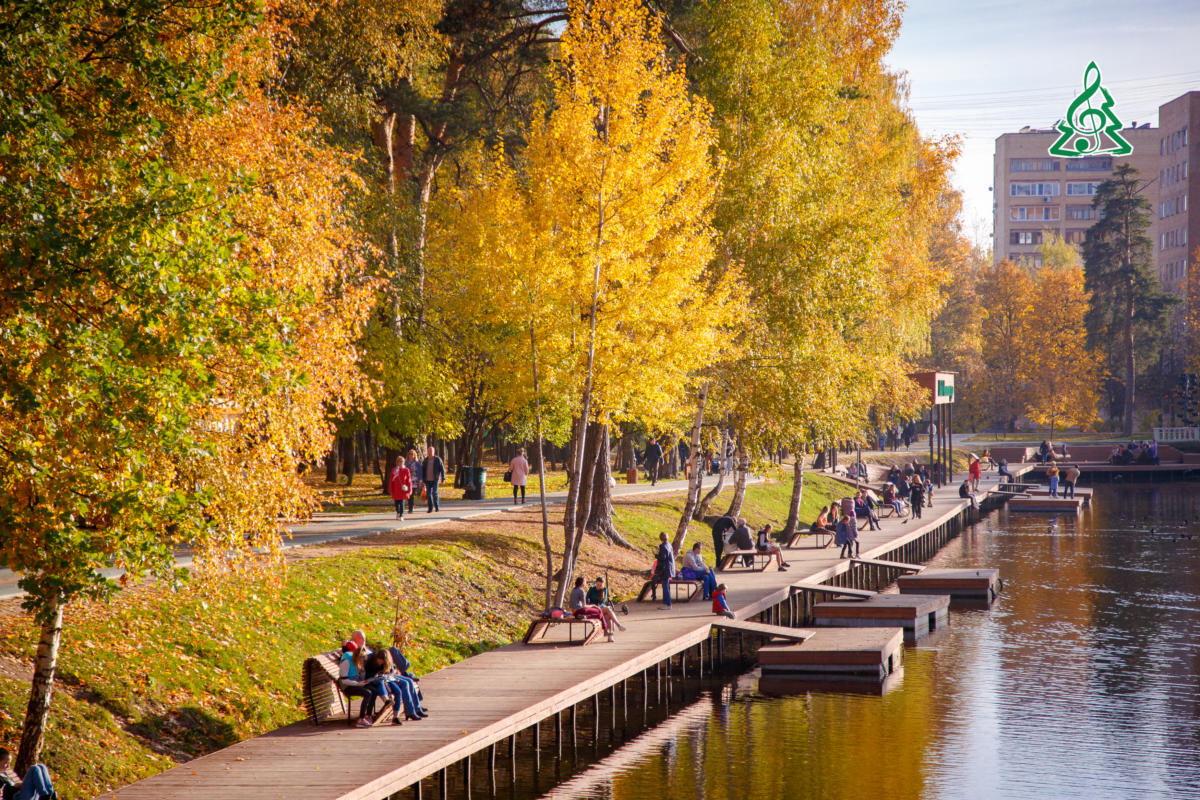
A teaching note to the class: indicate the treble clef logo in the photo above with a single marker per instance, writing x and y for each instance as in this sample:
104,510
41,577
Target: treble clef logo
1091,127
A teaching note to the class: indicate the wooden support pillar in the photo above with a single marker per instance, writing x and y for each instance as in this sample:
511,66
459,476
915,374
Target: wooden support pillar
417,791
444,784
492,766
574,726
537,747
558,733
612,706
596,718
512,758
466,762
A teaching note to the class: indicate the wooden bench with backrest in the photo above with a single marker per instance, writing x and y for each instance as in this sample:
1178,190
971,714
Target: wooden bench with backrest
651,586
324,697
541,625
759,560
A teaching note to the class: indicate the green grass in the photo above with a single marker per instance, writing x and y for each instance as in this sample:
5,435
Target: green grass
159,676
1034,437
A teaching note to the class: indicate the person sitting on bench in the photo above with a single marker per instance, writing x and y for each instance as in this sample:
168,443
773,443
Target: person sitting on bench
765,545
694,569
821,525
719,606
352,678
386,681
889,497
865,507
579,605
35,786
740,539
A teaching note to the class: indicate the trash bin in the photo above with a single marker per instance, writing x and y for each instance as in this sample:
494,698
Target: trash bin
631,475
474,483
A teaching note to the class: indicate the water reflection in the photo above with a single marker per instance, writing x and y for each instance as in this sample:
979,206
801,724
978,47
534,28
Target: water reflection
1081,682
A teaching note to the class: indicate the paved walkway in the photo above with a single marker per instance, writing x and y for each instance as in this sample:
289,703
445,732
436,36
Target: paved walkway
488,697
330,527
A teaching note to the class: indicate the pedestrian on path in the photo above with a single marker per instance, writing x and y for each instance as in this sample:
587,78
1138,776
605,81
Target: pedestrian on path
975,471
401,486
1052,473
433,473
414,471
654,456
720,527
845,537
518,474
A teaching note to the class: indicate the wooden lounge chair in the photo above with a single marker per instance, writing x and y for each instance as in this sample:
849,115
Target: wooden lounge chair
732,559
691,586
540,626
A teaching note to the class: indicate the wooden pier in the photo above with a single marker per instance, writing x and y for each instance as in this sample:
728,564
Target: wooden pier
1032,502
863,655
501,703
959,584
918,614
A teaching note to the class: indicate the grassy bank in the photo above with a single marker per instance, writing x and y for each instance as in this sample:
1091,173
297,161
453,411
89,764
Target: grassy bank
159,677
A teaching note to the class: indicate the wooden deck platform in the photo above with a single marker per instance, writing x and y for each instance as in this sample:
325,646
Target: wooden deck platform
964,584
1025,502
839,591
774,631
863,654
485,699
918,614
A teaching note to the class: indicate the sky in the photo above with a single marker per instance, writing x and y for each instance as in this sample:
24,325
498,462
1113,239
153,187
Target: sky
980,68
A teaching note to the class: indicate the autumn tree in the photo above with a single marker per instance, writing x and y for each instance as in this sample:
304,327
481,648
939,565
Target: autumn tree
1005,298
178,302
1130,312
1062,373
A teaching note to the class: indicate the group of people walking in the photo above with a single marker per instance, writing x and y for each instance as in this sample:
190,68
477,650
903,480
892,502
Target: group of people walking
409,473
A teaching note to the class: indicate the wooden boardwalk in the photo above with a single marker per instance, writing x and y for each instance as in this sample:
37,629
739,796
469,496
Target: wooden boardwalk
487,698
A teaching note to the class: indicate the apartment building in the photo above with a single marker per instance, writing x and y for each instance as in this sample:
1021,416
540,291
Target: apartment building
1035,193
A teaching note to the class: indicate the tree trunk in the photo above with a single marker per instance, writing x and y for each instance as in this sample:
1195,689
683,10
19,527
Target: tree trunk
793,519
331,462
348,456
600,520
1130,371
696,478
739,481
541,466
33,733
702,509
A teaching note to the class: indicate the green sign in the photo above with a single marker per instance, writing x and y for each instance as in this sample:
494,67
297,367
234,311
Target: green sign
945,390
1090,128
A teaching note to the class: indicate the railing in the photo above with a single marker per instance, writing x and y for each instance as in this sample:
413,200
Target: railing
1177,434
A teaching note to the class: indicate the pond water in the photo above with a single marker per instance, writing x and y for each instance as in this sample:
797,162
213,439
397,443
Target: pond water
1080,682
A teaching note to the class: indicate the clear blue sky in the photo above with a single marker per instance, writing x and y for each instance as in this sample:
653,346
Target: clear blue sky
979,68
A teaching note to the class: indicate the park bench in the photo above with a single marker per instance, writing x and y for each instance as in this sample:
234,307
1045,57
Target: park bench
759,560
323,696
542,625
794,539
692,586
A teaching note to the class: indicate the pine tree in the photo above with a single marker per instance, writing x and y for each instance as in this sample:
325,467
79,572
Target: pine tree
1130,311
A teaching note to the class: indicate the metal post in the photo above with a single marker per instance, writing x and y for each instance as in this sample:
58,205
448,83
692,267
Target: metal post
950,439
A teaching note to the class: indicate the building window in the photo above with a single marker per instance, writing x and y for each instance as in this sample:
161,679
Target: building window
1049,189
1025,237
1026,213
1075,236
1081,212
1088,163
1081,188
1032,165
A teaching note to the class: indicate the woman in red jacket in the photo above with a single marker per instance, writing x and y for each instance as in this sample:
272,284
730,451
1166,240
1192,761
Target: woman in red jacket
400,485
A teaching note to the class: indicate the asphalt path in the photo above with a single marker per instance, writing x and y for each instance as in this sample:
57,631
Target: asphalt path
331,527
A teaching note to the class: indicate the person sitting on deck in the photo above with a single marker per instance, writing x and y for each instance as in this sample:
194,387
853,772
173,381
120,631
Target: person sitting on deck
694,569
1004,471
764,545
36,784
582,609
719,606
846,536
1045,452
964,491
864,506
720,527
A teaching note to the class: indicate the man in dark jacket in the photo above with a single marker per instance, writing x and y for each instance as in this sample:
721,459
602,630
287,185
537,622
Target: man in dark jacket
433,473
664,568
719,529
654,456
